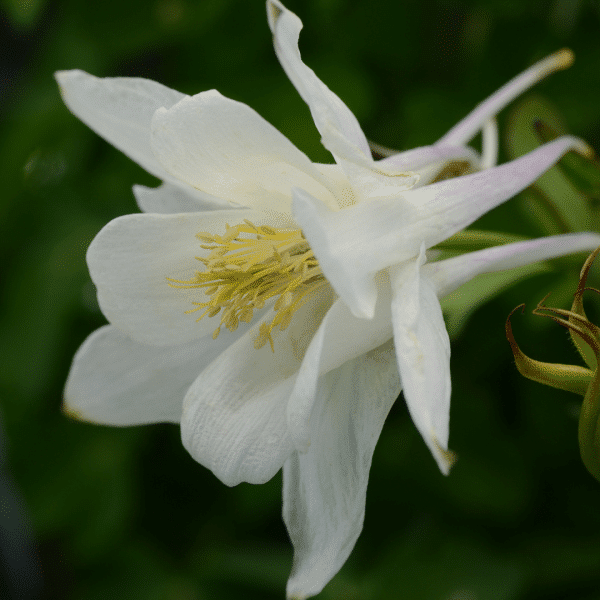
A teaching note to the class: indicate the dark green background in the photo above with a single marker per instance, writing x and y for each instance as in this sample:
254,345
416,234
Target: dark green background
126,513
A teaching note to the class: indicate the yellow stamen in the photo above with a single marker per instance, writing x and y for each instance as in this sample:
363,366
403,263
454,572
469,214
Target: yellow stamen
563,59
249,265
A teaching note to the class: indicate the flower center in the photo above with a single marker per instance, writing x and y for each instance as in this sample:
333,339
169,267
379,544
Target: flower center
249,265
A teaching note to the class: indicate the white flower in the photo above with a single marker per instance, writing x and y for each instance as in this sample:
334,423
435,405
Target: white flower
358,298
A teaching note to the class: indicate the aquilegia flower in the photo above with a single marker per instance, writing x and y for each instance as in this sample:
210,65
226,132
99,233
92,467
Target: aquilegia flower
318,272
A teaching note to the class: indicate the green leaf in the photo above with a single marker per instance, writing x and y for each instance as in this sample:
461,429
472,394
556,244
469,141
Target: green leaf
22,15
557,191
475,239
583,172
460,304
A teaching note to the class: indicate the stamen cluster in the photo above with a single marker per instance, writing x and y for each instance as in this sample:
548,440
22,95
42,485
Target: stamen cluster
249,265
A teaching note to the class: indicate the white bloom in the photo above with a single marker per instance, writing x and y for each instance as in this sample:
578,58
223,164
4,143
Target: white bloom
363,318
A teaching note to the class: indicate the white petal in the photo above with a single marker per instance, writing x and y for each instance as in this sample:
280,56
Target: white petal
464,130
120,110
169,199
338,183
130,260
489,142
429,161
234,415
340,262
341,337
325,106
368,178
117,381
354,243
423,353
226,149
324,489
447,275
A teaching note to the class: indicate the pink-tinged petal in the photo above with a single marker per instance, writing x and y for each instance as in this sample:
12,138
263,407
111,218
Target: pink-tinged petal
324,489
326,108
430,164
354,243
341,337
423,353
168,199
117,381
429,161
120,110
234,414
466,129
448,275
130,260
226,149
421,158
449,206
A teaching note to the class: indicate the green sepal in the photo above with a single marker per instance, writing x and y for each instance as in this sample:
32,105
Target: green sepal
571,378
587,334
586,351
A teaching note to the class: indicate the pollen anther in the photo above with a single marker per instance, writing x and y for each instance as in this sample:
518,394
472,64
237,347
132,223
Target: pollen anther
248,266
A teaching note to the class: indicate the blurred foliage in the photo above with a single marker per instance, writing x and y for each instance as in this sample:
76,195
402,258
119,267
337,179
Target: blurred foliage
561,200
126,513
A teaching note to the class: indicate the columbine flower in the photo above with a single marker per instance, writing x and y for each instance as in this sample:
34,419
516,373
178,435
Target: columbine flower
338,251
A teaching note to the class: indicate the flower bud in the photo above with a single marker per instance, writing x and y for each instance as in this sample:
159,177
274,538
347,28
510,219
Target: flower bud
572,378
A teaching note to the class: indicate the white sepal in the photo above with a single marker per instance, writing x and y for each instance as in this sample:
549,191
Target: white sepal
115,380
120,110
324,489
131,259
169,199
225,148
423,353
234,415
